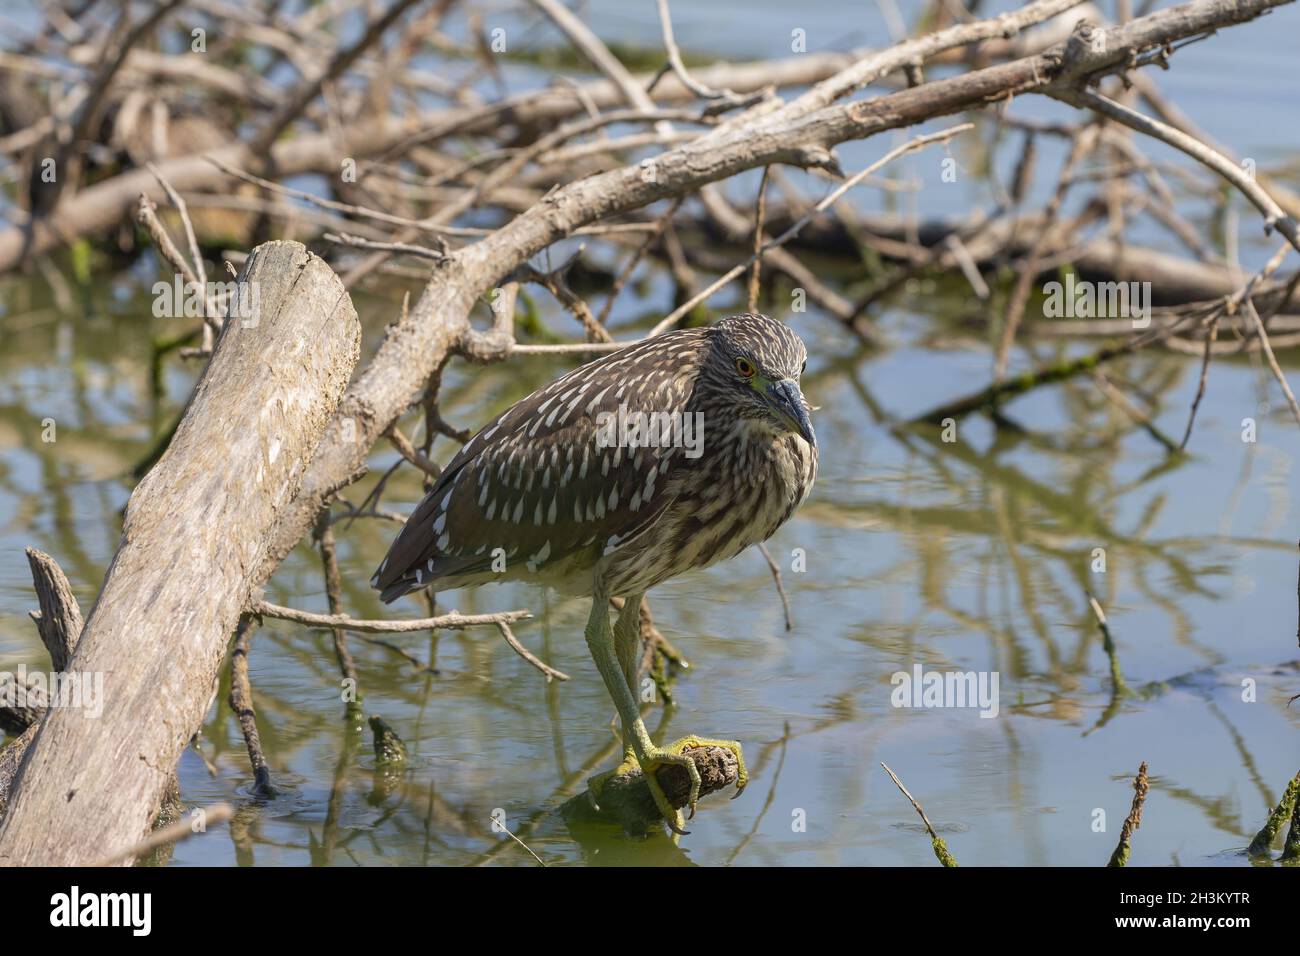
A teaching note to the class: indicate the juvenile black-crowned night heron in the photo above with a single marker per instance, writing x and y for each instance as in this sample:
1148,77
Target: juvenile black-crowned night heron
671,454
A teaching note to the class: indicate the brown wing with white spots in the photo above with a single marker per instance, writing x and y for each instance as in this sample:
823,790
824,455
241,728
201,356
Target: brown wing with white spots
543,483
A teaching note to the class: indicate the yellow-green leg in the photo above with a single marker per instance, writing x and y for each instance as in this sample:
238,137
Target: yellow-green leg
615,655
600,641
627,643
625,647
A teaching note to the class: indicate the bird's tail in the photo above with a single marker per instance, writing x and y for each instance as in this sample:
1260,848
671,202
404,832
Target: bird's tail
398,588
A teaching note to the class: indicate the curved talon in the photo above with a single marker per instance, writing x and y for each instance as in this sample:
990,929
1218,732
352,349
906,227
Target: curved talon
676,753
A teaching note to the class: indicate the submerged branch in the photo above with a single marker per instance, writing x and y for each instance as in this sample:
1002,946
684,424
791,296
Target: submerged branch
936,842
626,799
1134,819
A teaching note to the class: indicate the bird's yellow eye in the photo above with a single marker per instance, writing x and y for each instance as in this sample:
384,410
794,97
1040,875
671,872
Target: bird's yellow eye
745,367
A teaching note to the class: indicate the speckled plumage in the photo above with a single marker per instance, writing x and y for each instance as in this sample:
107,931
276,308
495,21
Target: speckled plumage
536,491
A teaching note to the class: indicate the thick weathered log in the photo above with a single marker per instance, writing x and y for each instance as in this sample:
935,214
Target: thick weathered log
192,543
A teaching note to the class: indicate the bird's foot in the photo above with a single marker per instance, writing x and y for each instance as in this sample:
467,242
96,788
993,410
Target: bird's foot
679,747
653,758
675,753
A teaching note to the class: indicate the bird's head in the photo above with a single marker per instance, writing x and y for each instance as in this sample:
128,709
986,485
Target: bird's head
756,362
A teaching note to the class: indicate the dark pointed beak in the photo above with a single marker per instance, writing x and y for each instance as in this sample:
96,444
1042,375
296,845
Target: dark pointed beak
790,407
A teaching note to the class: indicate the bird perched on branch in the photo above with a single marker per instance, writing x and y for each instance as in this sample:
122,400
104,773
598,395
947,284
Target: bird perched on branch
673,453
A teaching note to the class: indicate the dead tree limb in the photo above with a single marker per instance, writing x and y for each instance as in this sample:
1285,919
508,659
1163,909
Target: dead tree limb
59,620
59,623
187,565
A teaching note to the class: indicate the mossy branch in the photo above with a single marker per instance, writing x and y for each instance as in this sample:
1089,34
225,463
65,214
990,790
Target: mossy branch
627,801
1133,820
936,842
1291,849
997,394
1263,841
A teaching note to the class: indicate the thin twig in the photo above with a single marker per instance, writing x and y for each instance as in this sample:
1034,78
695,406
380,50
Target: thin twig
1119,686
241,703
506,831
402,248
550,672
182,829
1210,336
410,453
334,592
452,620
626,272
1274,216
184,213
1272,359
760,217
1082,146
724,99
780,588
919,142
348,208
936,841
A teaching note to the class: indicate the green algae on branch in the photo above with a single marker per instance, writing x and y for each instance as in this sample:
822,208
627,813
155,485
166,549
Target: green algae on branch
389,749
390,760
625,799
936,842
1263,841
1133,820
993,396
1291,849
941,851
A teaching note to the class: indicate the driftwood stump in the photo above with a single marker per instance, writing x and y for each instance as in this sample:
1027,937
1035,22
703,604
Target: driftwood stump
626,799
192,547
